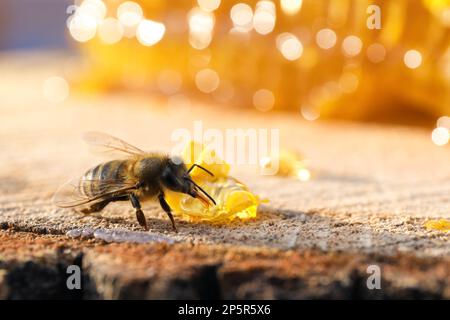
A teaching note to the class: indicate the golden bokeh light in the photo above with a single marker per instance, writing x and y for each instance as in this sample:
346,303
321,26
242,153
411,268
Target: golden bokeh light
110,31
376,53
263,100
207,80
291,7
351,46
94,9
55,89
200,41
201,25
265,17
440,136
303,174
443,122
309,113
82,27
242,16
150,32
209,5
290,47
130,14
200,21
326,38
313,57
169,82
413,59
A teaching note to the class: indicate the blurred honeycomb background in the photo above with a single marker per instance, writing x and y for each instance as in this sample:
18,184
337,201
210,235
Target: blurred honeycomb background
318,59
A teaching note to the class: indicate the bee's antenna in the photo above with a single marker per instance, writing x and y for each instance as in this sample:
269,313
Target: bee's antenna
203,191
197,165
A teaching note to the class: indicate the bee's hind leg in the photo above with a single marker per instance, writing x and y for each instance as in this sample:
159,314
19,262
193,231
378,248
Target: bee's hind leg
96,207
139,214
167,209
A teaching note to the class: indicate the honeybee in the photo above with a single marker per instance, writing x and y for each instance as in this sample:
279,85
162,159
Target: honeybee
140,176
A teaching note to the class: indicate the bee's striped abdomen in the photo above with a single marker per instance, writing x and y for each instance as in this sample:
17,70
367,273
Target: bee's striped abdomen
91,183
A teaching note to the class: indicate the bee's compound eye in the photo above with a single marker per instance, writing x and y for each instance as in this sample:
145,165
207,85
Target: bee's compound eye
169,179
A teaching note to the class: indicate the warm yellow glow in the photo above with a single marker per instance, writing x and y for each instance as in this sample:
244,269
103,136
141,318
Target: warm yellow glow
348,82
303,174
55,89
291,7
440,136
290,47
444,65
169,82
326,38
82,28
110,31
263,100
445,16
207,80
208,5
225,92
150,32
444,122
413,59
242,16
130,14
351,46
376,53
309,113
310,57
440,8
265,17
178,105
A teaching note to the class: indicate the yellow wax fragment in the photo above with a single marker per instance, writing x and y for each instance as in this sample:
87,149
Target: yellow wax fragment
289,163
198,154
239,200
174,200
233,198
440,225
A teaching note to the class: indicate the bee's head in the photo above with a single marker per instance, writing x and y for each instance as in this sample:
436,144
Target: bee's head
175,176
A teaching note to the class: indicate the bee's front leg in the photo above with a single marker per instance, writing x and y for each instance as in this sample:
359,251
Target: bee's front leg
139,214
167,209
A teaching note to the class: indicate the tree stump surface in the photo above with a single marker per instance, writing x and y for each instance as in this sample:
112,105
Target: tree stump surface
373,188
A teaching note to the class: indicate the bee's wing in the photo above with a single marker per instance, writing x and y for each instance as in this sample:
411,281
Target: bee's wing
72,193
102,143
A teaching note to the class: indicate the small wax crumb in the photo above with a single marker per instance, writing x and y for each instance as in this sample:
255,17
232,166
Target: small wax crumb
288,164
439,225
